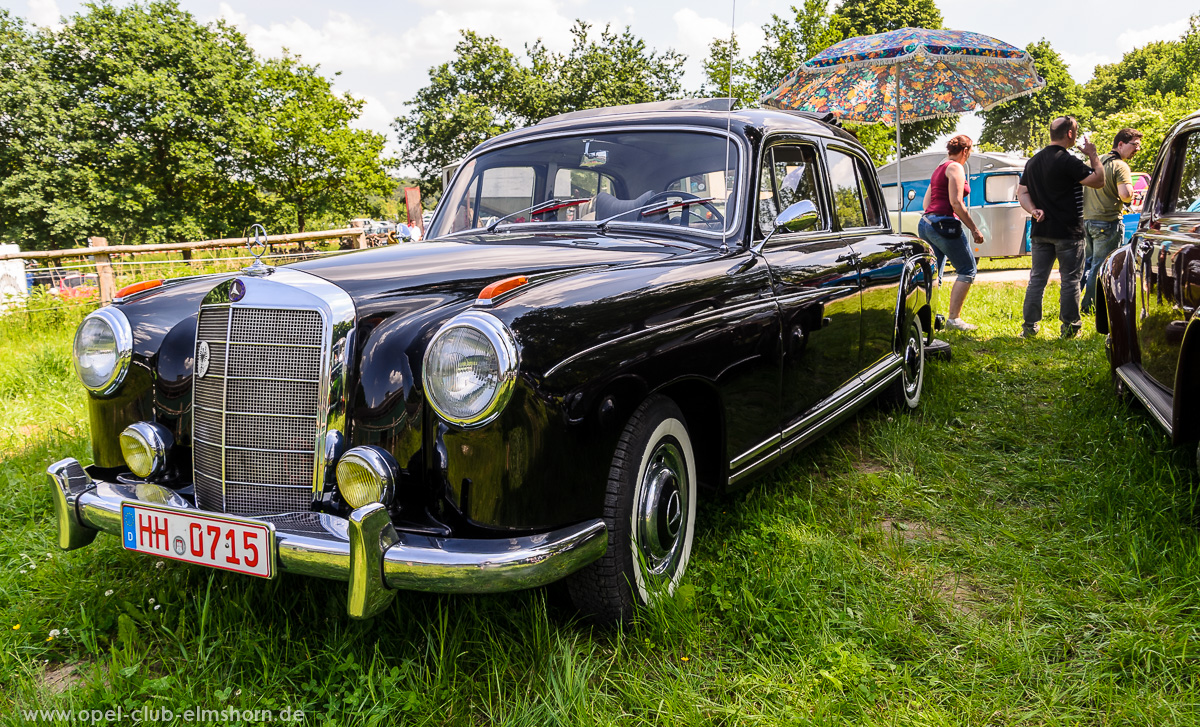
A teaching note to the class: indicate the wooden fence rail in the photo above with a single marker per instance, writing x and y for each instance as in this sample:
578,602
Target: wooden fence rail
102,253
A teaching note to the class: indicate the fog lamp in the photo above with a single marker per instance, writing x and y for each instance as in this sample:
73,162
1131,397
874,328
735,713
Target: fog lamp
365,475
145,447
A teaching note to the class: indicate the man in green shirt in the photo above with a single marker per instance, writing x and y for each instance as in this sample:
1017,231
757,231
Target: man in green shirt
1103,230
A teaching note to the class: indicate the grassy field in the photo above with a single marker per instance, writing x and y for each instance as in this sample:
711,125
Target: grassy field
1022,549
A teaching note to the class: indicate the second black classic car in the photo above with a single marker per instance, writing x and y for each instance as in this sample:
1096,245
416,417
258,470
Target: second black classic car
1152,288
616,311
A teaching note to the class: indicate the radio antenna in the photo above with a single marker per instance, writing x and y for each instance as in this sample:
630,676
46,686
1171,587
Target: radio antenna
728,127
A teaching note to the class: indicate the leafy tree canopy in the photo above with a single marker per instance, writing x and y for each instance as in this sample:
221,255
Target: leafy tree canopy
304,154
1022,124
141,124
487,90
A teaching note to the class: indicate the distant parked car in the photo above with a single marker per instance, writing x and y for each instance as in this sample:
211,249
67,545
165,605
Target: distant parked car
77,286
1152,290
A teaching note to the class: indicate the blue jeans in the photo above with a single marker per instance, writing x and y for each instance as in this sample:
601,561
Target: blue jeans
1100,238
958,249
1069,254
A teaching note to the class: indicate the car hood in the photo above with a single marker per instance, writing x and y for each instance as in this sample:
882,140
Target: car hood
458,269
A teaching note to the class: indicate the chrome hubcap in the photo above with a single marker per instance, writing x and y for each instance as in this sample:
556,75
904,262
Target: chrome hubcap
662,510
912,366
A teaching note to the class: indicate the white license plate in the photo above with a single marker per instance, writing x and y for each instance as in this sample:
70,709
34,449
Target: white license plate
217,541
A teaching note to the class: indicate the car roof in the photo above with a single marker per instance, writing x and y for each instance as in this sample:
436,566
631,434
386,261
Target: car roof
711,113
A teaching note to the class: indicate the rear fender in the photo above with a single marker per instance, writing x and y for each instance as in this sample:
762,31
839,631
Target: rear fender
1119,307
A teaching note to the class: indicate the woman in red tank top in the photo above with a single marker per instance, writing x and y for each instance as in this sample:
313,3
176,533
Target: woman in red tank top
943,222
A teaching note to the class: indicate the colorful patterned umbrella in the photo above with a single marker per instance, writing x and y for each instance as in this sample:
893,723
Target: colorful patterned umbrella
911,73
940,72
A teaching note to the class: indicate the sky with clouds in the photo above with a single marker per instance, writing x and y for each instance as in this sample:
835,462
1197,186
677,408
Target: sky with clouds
384,51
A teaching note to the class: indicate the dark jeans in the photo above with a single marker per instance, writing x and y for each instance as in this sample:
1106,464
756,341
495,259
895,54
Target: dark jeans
1069,254
958,249
1100,238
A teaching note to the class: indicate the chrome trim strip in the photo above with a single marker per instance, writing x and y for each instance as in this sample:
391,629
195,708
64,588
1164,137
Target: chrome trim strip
736,310
1136,388
755,451
364,550
843,409
833,410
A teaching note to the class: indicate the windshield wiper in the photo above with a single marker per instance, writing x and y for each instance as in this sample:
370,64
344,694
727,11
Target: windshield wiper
651,209
540,208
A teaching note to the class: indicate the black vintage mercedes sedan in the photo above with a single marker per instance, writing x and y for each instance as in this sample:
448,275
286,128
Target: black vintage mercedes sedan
614,311
1152,289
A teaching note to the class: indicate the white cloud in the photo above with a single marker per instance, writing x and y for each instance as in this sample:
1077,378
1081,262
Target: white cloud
1081,65
44,13
1131,39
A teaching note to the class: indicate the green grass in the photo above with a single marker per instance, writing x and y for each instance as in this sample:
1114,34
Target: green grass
1020,550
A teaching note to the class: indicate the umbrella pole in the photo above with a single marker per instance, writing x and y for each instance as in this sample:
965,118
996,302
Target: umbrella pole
899,187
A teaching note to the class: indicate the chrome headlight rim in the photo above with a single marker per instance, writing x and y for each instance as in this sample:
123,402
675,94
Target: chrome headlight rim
380,463
508,362
122,335
158,442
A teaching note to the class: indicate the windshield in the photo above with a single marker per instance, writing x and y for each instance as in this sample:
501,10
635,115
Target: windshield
673,178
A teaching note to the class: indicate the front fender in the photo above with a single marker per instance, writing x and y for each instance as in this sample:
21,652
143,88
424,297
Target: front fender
1119,305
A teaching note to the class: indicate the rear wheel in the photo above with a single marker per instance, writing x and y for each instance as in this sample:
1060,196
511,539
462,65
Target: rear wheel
906,390
650,511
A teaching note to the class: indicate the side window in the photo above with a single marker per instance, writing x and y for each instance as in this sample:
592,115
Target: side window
847,202
1000,188
789,175
870,197
1188,197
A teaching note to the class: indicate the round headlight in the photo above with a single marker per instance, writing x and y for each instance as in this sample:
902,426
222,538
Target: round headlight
145,447
103,347
470,368
365,475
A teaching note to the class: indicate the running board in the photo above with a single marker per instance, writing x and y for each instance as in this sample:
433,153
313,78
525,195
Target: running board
1153,396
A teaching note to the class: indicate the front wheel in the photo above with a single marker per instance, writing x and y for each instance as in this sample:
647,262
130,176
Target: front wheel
906,390
650,512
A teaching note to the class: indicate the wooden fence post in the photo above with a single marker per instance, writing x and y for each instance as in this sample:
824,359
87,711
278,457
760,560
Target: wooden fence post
360,240
108,286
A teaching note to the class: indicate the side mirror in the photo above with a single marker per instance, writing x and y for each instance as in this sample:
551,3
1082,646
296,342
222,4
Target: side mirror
912,194
799,217
403,233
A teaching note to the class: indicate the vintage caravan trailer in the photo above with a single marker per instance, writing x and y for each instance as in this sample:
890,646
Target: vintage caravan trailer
992,200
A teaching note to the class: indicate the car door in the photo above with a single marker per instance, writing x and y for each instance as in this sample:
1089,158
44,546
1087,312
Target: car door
878,254
1166,260
815,282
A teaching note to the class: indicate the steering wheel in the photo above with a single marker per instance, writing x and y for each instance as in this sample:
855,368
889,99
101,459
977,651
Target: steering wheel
689,211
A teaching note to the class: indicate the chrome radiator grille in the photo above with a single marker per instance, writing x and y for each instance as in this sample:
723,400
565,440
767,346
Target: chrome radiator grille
256,409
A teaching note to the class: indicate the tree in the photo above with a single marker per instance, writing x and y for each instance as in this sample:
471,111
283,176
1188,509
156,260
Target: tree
868,17
1021,125
486,90
304,154
44,191
159,107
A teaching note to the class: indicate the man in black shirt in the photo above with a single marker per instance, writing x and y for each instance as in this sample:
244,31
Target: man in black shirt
1051,190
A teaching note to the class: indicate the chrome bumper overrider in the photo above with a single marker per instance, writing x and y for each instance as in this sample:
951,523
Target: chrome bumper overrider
364,549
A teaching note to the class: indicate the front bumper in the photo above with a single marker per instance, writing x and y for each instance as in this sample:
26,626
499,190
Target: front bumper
365,550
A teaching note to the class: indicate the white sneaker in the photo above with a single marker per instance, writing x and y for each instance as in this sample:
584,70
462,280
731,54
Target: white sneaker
958,324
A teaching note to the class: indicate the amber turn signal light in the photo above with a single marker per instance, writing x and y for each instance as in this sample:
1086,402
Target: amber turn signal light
138,287
499,288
